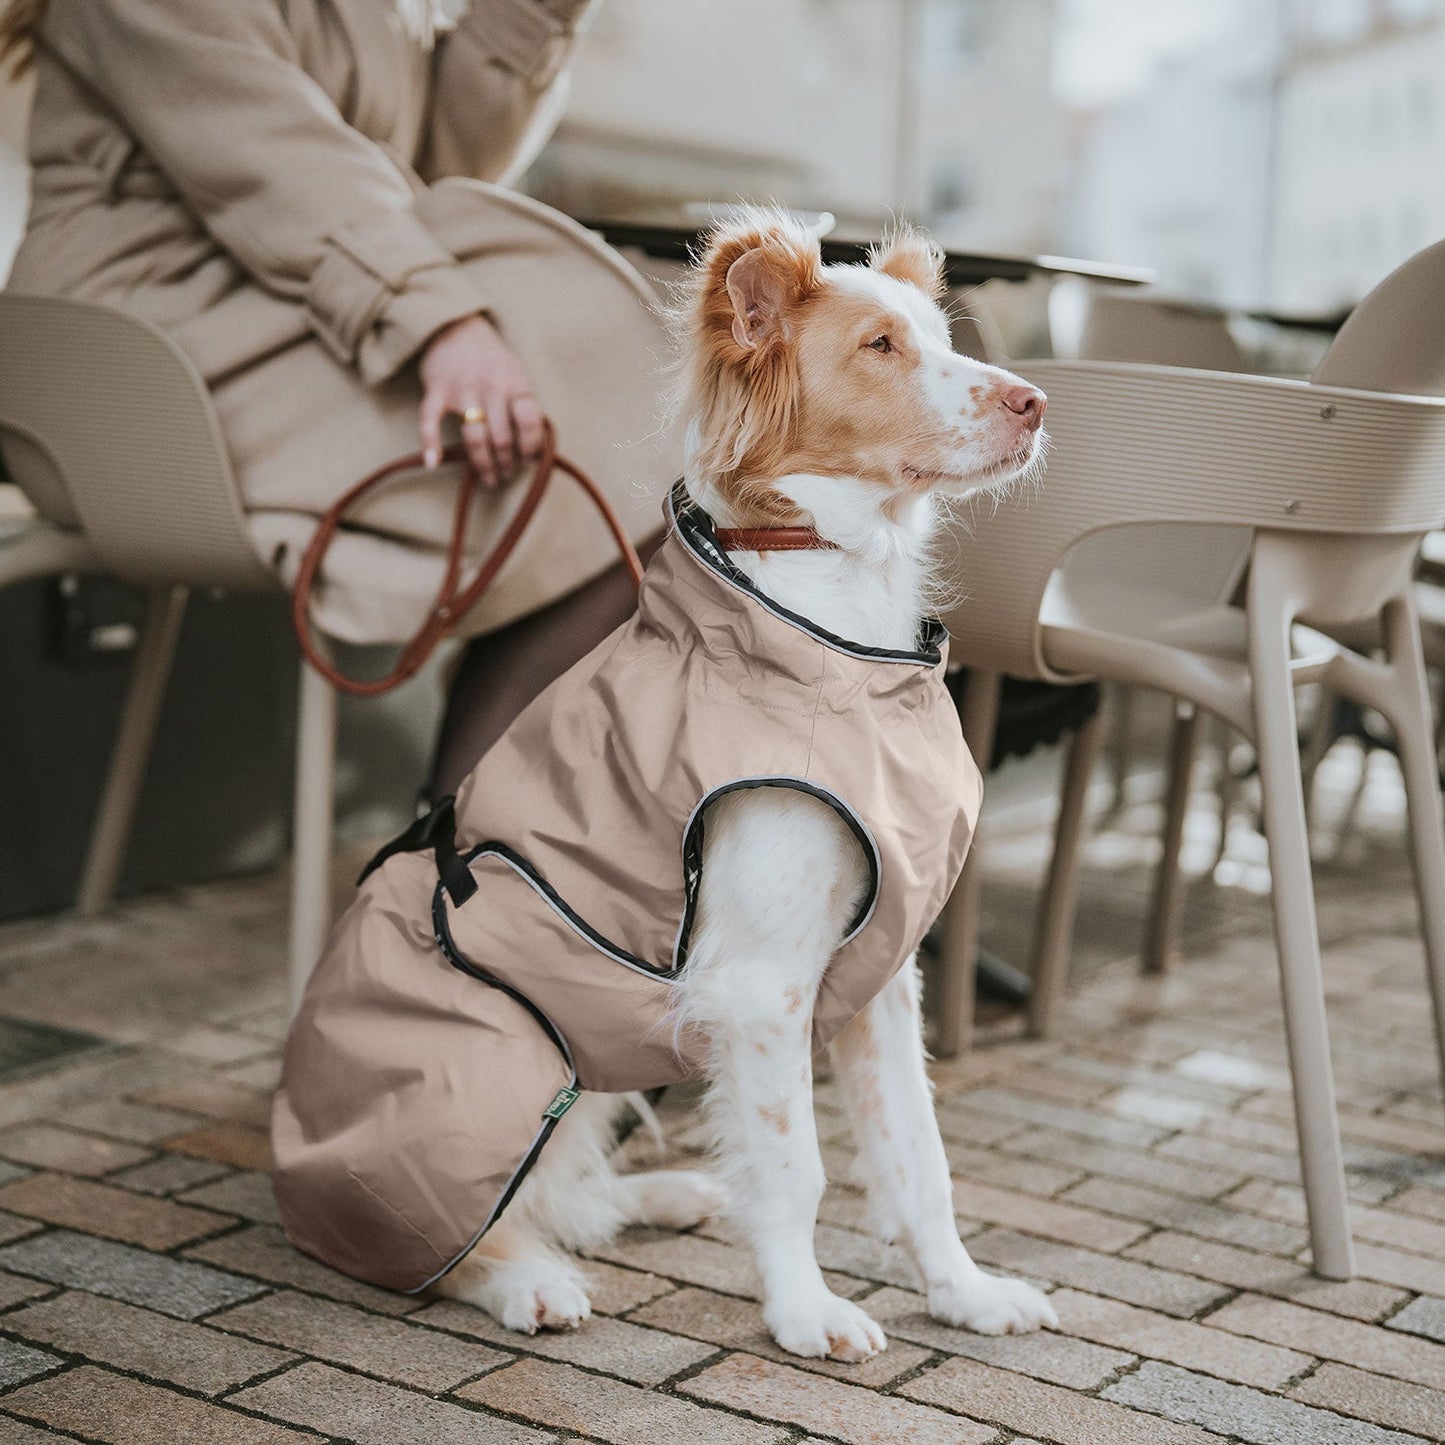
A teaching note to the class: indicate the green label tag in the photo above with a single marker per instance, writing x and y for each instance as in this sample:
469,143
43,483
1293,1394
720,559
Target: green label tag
564,1101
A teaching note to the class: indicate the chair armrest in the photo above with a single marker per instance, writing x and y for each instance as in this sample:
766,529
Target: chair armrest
1134,444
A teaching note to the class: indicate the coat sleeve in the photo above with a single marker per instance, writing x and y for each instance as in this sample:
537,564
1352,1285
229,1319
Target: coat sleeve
215,94
497,81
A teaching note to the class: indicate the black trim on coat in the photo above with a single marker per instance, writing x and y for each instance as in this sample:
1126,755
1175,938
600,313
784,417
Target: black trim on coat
695,528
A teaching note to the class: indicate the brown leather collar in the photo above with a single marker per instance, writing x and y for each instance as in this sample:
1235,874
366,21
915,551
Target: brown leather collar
772,539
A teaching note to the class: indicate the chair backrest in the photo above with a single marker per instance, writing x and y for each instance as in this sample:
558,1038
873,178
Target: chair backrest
120,413
1160,330
1141,325
1394,340
1152,446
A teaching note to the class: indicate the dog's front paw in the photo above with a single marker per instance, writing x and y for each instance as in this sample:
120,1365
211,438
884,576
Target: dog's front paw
990,1305
825,1328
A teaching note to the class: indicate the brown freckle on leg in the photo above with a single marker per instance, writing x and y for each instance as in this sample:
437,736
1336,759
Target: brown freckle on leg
978,392
946,374
776,1115
794,995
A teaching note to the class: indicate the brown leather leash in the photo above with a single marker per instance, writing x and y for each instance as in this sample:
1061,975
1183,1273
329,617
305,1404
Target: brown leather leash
453,600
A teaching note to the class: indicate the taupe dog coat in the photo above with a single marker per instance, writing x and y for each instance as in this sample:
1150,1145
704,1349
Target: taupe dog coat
470,990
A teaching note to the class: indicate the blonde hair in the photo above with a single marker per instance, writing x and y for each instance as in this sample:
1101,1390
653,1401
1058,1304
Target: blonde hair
18,26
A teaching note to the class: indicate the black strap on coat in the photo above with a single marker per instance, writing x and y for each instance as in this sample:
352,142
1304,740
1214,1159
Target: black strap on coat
437,830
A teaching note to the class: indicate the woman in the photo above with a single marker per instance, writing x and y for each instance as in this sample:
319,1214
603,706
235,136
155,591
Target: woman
271,181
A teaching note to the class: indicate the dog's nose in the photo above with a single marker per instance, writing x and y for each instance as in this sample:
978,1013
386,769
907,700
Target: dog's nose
1027,402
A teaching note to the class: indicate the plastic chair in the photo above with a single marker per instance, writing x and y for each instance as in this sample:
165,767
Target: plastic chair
121,415
1337,481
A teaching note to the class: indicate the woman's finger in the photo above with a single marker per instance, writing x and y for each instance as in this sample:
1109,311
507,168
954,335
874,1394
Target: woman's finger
433,409
476,436
499,423
530,424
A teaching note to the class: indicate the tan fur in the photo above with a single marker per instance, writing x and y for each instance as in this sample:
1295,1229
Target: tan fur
783,379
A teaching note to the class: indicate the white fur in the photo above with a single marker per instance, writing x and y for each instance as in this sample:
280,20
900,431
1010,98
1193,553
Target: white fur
781,876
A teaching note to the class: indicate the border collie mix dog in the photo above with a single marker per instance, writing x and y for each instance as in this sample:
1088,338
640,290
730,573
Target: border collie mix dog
823,396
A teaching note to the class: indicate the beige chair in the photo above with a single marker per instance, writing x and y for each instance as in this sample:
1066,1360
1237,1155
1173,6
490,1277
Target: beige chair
1337,481
124,422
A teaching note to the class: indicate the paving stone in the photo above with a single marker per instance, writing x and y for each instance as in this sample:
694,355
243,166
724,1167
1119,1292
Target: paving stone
247,1193
1239,1411
1055,1414
1118,1161
1373,1397
614,1290
1118,1278
1189,1216
1179,1342
262,1250
545,1393
865,1256
1406,1271
16,1432
169,1173
695,1259
814,1402
1424,1316
1288,1279
401,1352
145,1343
215,1097
177,1287
1378,1226
112,1213
14,1289
243,1146
1425,1202
20,1362
120,1411
1051,1219
13,1227
1067,1120
616,1347
1045,1355
369,1412
48,1146
1403,1356
125,1119
738,1325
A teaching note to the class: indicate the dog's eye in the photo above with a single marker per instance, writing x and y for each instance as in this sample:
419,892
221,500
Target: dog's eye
880,343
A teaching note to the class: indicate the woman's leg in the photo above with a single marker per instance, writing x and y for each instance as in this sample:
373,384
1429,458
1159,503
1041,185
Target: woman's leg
499,674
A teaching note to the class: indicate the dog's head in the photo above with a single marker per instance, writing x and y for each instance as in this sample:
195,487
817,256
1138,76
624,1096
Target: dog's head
848,371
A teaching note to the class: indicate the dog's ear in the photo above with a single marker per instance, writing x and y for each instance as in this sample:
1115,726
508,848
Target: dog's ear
755,270
907,255
762,284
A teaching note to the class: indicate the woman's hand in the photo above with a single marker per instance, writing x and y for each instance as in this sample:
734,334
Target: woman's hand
467,367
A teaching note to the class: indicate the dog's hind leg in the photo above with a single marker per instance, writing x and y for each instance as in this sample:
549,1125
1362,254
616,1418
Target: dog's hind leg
879,1060
520,1280
672,1198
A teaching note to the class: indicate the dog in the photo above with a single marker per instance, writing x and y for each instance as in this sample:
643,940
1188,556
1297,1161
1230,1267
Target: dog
825,396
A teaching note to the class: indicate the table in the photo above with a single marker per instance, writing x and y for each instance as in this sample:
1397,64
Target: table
677,241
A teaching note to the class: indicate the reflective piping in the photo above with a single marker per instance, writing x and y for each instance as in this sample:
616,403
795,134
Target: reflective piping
453,955
697,537
856,825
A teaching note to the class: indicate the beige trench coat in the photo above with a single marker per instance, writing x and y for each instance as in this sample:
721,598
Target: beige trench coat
272,182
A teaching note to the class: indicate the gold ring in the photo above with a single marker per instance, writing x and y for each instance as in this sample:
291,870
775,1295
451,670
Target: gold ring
475,416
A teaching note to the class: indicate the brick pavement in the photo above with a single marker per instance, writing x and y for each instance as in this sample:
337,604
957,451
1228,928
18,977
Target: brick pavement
1140,1165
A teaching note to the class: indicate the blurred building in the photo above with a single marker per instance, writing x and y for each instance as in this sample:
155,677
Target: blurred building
1173,170
935,108
1360,147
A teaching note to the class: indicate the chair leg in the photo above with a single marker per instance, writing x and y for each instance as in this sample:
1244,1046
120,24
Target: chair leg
1296,934
1055,928
1121,742
958,957
1225,788
1162,928
312,829
1413,736
150,672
